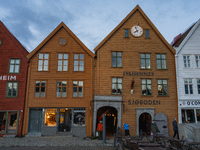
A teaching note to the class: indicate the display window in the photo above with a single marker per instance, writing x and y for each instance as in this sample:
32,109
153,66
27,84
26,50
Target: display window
50,117
198,115
2,121
188,116
79,117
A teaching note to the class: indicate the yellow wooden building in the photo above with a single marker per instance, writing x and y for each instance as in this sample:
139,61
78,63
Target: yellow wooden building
135,78
59,87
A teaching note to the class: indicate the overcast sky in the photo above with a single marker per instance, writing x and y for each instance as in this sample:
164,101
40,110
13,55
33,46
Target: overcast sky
31,21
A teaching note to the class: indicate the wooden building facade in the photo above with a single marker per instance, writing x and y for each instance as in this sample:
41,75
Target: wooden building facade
13,73
135,77
59,88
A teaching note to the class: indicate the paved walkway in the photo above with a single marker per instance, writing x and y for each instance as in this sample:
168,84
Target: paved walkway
54,142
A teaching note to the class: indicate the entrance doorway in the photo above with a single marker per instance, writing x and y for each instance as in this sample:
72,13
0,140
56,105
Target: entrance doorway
144,123
111,119
35,120
65,116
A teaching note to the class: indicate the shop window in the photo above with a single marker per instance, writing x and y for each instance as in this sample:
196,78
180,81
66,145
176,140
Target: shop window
2,121
14,65
197,59
116,59
61,89
78,62
50,117
188,116
116,85
145,61
161,61
186,61
126,33
162,87
198,114
198,86
146,87
43,62
12,89
79,117
62,62
77,88
40,87
188,86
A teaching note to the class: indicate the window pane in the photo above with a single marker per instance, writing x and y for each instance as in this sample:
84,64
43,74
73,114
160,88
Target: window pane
186,89
157,55
74,83
81,63
60,56
65,62
60,62
46,62
158,62
147,55
40,56
114,61
144,90
81,56
119,80
64,83
191,89
142,55
159,90
65,56
46,56
58,92
60,68
143,81
149,89
114,54
159,81
148,81
16,68
37,83
164,81
80,83
148,65
65,68
165,90
50,117
58,83
142,63
119,54
75,68
114,87
11,68
114,80
119,90
163,64
12,61
76,63
119,62
43,83
75,56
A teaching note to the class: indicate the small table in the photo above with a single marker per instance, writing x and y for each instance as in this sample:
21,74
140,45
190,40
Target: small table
148,145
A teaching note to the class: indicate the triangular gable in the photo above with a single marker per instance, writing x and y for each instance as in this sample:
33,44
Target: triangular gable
137,8
178,49
53,33
15,41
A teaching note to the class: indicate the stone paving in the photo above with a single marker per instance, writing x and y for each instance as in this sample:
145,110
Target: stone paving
55,142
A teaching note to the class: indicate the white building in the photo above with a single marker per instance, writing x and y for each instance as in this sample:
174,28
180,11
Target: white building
187,47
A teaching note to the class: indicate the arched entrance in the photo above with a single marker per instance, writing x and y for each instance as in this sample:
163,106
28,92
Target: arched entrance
111,119
144,123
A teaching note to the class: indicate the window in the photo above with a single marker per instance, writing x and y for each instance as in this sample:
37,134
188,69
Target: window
61,89
188,86
186,60
77,88
43,62
12,89
161,61
50,117
116,85
79,116
78,62
146,87
197,57
145,61
2,121
162,87
188,116
147,33
116,59
198,114
62,62
198,86
126,33
14,66
40,88
62,41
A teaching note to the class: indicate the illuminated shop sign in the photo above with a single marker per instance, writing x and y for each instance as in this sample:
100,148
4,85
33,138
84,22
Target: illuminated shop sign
143,102
9,78
135,73
190,103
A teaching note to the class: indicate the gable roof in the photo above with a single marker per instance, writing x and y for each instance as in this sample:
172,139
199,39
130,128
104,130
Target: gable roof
179,42
137,8
53,33
18,45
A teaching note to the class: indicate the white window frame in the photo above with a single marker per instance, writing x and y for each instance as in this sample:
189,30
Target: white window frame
186,61
189,83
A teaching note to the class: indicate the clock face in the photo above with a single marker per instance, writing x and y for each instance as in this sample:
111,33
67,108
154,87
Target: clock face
136,31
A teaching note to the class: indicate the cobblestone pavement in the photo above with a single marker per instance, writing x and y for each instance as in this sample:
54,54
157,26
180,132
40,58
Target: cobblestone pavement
55,142
60,148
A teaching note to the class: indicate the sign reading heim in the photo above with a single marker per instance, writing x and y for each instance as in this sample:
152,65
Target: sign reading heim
6,77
